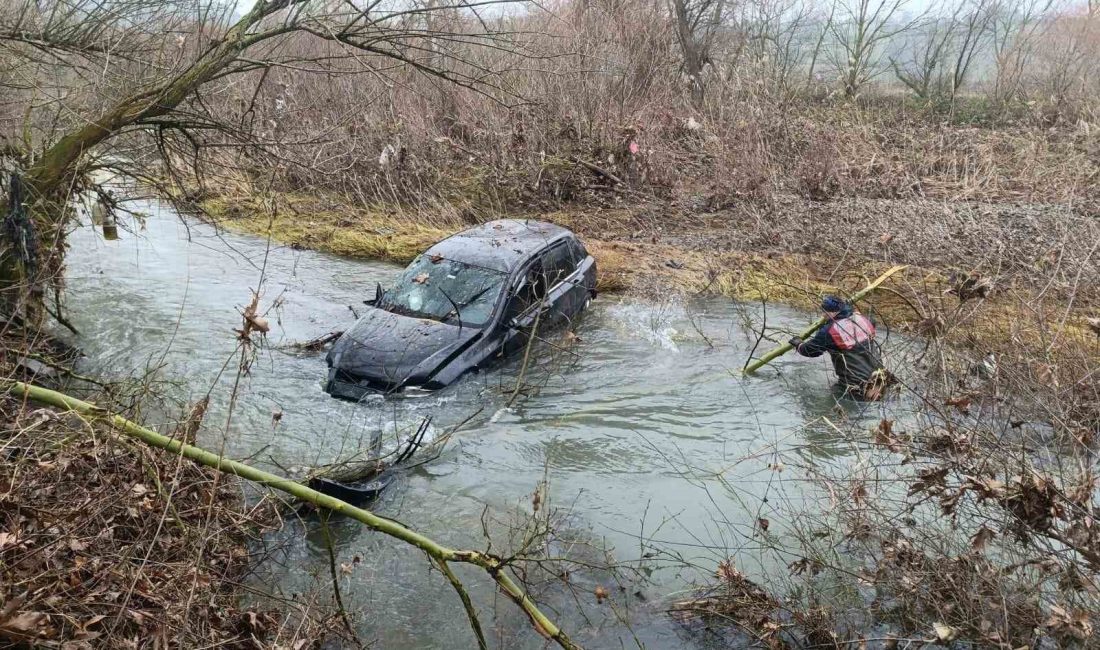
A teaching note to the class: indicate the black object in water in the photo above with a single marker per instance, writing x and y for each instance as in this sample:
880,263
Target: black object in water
353,493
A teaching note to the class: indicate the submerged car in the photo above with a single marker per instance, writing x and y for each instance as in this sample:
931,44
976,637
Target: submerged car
467,301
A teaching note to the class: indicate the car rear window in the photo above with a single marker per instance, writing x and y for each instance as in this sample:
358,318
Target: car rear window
577,249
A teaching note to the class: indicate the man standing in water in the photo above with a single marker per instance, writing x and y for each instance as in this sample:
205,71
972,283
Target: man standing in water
849,338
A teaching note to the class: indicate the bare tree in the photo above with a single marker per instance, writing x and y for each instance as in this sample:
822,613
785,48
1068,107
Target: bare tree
973,21
775,36
923,71
826,28
135,75
697,25
860,28
1016,27
945,48
1065,67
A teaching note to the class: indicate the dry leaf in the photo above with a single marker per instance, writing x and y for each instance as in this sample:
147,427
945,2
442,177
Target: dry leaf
970,286
859,493
727,572
804,565
981,539
933,481
960,403
601,594
436,259
24,625
1046,376
536,500
8,539
944,632
252,321
139,490
1077,624
421,279
884,435
986,487
764,523
885,239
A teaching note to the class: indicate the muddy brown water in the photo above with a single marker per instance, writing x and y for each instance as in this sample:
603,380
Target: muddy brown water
641,431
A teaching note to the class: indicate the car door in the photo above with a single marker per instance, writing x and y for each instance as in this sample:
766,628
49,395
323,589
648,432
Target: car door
548,292
526,298
567,292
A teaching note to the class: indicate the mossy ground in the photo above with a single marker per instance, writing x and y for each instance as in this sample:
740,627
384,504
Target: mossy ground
303,222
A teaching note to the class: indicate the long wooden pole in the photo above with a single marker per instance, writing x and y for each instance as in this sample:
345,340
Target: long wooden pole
787,347
494,566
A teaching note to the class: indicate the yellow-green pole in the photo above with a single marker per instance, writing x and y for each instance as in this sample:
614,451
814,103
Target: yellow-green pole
787,347
493,565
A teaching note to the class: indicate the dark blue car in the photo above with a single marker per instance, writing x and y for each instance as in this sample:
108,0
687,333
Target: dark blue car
465,302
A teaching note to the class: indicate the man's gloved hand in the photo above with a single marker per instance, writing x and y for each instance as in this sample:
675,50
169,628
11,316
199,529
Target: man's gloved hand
795,341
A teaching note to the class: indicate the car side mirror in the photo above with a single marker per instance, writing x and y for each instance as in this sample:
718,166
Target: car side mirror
379,293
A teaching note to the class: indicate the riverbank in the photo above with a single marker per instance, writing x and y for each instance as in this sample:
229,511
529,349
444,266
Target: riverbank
1013,266
107,543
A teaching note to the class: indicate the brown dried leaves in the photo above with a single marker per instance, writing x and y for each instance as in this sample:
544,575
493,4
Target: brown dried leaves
252,320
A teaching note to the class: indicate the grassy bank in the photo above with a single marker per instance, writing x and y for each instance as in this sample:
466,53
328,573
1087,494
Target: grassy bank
634,265
795,253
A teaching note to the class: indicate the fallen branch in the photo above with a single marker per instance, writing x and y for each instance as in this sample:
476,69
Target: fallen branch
318,343
787,347
493,565
358,470
597,170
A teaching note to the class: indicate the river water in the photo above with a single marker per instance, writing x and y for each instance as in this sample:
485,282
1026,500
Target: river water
642,430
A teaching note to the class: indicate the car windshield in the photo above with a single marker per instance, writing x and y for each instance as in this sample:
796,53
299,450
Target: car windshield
432,287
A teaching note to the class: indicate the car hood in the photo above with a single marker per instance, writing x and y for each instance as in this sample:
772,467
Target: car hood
392,349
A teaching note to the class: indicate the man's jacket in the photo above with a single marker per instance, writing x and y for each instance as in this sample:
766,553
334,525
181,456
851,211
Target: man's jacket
850,341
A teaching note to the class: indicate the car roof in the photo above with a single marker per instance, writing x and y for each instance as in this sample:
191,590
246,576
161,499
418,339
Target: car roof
501,245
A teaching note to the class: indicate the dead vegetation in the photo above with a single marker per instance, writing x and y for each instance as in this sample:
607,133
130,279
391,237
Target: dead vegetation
104,543
700,122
